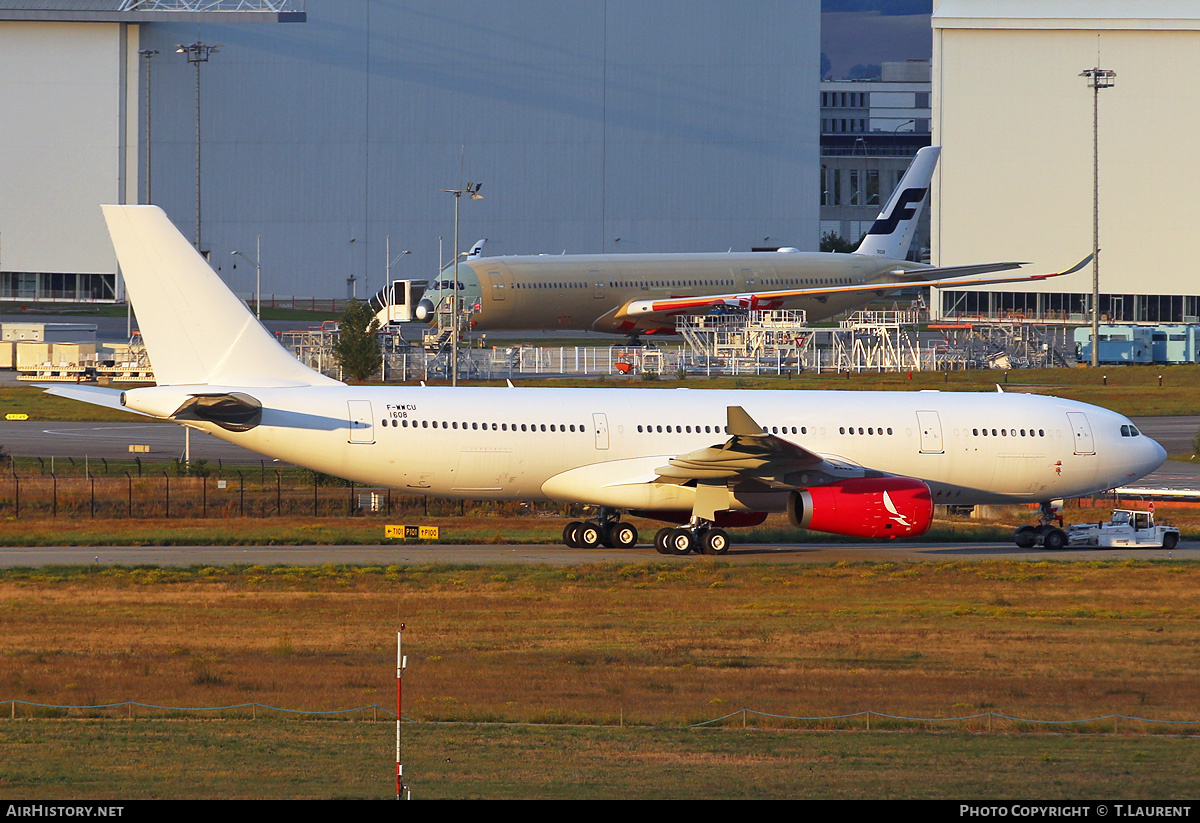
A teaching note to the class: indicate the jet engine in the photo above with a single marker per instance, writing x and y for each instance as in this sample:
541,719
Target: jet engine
864,507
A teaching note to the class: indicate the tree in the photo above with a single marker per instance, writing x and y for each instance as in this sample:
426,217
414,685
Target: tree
868,71
357,348
832,241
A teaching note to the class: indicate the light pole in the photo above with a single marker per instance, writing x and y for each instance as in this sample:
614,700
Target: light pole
196,54
473,190
147,54
257,273
1097,78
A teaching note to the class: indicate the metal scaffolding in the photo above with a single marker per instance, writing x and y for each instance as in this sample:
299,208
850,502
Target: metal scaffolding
1003,345
877,341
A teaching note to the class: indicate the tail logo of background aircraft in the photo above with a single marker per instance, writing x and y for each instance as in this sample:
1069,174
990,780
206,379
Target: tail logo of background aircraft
893,511
906,208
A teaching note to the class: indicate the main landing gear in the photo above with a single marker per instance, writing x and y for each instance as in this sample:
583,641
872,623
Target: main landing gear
606,529
700,536
1045,533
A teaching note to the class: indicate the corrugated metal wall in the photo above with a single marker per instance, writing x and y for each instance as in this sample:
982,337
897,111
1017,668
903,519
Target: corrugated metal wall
594,125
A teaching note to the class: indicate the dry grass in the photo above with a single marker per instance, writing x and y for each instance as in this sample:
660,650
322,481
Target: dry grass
263,759
632,646
645,643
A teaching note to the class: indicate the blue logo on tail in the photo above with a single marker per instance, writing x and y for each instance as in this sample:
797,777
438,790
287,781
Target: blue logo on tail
906,208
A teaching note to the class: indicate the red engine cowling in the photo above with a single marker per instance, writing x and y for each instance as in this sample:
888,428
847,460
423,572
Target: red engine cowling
864,507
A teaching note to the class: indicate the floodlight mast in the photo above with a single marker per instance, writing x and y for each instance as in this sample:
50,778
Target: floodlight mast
197,53
473,190
1097,78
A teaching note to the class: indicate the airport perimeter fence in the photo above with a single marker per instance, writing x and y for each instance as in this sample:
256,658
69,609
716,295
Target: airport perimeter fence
158,493
745,718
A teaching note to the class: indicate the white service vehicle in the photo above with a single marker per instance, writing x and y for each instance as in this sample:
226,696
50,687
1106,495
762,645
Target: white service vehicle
1127,528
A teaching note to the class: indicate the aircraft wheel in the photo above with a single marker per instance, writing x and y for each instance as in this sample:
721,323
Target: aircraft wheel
621,536
680,542
660,540
1055,540
1170,541
571,534
1026,537
589,536
714,541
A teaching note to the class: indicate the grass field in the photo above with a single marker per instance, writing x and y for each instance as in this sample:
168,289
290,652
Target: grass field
639,646
476,527
296,759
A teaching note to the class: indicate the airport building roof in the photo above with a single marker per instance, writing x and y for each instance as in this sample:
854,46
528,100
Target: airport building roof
152,11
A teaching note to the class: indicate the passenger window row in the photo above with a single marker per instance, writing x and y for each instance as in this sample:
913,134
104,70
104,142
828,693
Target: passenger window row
866,430
1009,432
476,426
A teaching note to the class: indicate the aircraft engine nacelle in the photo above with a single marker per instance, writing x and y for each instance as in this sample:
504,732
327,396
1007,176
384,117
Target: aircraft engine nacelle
864,507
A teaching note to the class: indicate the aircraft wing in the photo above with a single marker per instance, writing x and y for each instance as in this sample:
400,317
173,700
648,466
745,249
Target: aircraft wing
942,277
749,457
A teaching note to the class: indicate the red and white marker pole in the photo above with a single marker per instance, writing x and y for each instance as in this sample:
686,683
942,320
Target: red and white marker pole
400,663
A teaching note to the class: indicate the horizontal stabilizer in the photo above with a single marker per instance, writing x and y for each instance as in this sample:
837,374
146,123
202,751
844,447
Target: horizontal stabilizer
96,395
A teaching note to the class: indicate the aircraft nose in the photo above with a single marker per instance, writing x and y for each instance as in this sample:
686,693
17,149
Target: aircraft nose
1158,455
424,310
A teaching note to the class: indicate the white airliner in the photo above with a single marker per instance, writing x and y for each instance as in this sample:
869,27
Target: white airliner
868,464
636,294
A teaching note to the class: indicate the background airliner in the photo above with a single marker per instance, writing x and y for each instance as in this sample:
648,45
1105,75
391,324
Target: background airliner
643,293
854,463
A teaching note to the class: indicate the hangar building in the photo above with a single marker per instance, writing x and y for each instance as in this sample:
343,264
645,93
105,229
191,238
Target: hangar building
1015,181
594,126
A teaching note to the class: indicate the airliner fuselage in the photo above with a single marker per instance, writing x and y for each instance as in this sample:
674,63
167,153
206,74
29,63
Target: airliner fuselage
531,443
589,291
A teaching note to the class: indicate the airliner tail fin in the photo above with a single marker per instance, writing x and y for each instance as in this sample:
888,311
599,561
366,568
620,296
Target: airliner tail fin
195,330
892,231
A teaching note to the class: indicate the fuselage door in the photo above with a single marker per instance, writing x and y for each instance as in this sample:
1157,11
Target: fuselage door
1082,432
597,286
361,421
600,424
498,285
931,432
